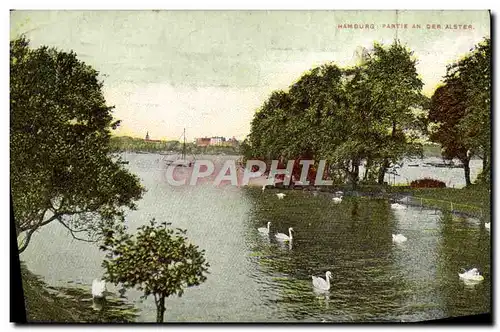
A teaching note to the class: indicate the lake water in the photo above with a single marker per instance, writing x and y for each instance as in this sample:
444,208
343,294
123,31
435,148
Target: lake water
253,278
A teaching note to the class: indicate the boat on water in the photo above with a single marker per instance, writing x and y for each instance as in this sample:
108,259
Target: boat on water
183,161
180,162
443,165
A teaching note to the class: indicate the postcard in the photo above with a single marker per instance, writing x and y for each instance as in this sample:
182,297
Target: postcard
260,166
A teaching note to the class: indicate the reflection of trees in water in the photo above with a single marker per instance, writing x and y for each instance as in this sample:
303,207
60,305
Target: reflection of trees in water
85,309
464,245
103,310
46,303
415,263
351,239
354,210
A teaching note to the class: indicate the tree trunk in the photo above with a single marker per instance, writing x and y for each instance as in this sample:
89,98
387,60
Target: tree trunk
467,172
382,170
355,178
354,211
485,162
160,309
354,174
367,168
385,164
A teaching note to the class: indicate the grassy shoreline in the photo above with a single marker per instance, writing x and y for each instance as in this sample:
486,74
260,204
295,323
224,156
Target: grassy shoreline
472,201
46,304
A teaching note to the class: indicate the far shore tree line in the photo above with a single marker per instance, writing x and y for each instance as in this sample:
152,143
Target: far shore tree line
375,114
133,144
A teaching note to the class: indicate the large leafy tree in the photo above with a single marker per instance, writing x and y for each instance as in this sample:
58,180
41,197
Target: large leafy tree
269,127
317,98
291,125
354,130
461,110
346,115
157,260
393,97
448,107
61,164
474,73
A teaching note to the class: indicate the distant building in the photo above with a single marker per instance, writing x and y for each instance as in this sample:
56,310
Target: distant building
231,142
203,141
217,140
147,139
234,141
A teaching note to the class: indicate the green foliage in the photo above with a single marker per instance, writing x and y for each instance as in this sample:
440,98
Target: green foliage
368,112
447,109
474,71
125,143
461,109
246,150
156,260
61,166
389,92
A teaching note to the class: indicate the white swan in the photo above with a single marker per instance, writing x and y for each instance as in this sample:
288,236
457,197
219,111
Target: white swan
263,187
280,195
284,237
397,206
320,283
98,288
398,238
265,230
487,225
471,275
337,199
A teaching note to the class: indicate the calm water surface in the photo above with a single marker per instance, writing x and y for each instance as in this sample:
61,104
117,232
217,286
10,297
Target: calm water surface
254,278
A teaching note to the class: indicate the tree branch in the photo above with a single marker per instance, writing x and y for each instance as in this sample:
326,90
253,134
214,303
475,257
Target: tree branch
27,240
72,232
28,223
33,229
58,215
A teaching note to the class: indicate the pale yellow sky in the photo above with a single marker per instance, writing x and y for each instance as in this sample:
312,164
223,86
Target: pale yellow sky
208,71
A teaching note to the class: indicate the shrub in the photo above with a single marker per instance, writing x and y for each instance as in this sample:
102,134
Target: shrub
427,183
157,260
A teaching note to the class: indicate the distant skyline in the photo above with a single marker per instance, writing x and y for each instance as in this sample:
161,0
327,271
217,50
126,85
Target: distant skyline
208,71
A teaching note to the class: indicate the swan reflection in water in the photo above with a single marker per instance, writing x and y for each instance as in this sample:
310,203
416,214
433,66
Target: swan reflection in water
98,303
285,245
470,284
98,294
322,295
